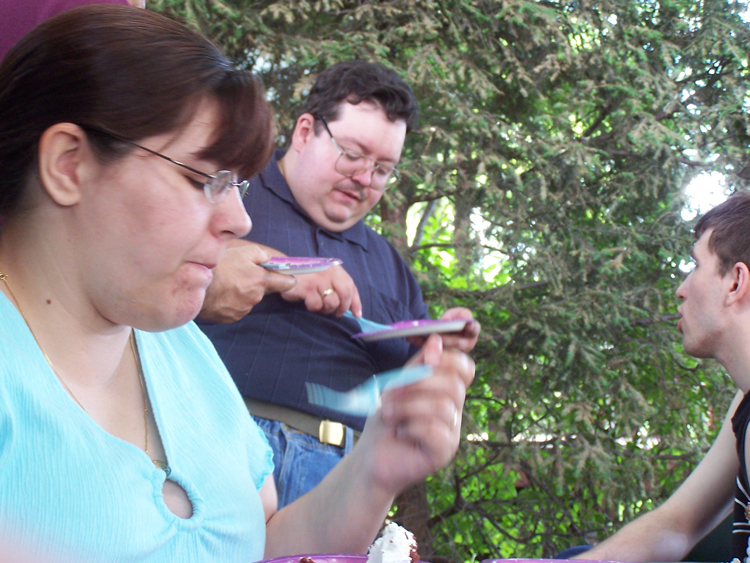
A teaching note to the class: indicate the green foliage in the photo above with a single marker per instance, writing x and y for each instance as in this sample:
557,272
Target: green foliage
547,175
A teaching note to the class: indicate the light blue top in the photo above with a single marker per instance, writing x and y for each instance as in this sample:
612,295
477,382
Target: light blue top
76,493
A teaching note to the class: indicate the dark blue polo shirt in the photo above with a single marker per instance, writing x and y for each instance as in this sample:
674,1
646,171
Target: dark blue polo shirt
273,351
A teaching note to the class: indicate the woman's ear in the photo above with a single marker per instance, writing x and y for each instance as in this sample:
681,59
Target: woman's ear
63,154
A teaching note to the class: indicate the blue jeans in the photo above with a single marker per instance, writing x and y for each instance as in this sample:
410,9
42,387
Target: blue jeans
300,461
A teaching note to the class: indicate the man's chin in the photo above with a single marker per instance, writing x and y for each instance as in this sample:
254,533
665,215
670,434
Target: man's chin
696,351
337,222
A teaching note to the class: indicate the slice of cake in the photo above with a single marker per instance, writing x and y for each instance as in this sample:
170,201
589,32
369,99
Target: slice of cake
395,545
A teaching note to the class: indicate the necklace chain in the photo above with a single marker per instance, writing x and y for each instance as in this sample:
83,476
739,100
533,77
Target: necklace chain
133,347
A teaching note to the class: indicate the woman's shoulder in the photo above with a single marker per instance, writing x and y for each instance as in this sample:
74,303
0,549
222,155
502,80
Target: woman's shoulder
186,341
185,361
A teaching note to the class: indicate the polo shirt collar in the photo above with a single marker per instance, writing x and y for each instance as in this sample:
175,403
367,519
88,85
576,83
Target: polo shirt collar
272,179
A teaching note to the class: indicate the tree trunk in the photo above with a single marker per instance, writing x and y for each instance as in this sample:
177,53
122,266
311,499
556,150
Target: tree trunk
413,513
393,212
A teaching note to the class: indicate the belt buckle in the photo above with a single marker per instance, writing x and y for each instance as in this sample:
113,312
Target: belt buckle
330,432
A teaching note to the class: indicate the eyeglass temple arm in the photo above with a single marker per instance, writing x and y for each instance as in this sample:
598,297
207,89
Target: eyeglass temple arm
148,150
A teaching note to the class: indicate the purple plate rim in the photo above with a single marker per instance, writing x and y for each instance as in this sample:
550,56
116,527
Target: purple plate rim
321,558
500,560
317,557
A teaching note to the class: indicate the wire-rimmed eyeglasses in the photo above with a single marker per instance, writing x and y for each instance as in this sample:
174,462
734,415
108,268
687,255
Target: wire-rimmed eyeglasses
217,185
352,163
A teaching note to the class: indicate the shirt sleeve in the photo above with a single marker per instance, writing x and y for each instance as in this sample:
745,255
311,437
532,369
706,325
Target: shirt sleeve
259,453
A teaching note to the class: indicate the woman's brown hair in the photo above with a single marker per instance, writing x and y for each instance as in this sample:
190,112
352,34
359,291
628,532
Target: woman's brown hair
133,72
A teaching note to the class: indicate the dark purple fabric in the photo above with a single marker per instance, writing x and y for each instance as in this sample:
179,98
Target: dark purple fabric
18,17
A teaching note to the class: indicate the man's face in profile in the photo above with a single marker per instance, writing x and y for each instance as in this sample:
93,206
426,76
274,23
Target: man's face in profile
702,294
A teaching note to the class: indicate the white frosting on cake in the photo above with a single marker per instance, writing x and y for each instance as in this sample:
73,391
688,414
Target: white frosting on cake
393,546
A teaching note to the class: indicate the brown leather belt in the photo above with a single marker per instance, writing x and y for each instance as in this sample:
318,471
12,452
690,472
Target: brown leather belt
326,431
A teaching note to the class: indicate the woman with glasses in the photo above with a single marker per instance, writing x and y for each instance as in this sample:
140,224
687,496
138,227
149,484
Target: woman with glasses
125,139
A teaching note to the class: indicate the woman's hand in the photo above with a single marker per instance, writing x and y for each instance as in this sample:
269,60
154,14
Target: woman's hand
417,429
415,432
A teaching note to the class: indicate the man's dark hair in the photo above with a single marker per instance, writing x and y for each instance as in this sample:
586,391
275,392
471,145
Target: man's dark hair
730,238
361,81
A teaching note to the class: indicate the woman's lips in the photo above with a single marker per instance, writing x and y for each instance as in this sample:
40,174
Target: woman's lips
205,270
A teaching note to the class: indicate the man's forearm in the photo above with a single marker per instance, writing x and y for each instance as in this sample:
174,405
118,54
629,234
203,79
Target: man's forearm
655,536
641,540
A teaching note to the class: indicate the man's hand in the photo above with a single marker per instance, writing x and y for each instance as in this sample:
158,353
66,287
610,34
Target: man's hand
464,340
326,292
417,429
239,283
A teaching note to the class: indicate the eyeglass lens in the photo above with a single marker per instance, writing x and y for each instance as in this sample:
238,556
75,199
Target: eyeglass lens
218,186
351,164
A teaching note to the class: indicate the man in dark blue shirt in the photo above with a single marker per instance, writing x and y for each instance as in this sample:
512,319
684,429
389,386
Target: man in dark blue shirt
310,201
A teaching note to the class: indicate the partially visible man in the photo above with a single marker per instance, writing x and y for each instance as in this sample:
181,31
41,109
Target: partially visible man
715,323
310,201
